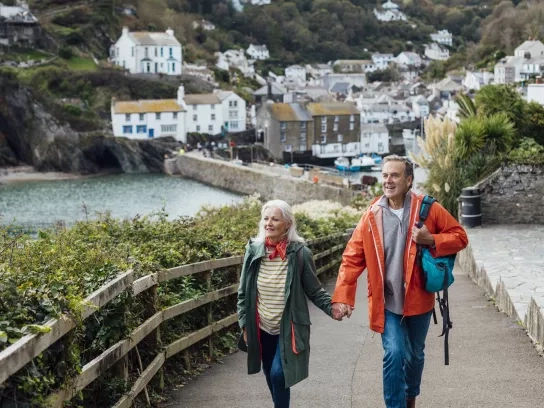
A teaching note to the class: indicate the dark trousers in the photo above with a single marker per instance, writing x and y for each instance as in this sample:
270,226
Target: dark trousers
273,370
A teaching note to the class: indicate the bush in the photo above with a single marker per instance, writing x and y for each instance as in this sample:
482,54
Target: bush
66,53
528,152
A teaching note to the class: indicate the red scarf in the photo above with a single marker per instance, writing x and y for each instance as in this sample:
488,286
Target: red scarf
278,249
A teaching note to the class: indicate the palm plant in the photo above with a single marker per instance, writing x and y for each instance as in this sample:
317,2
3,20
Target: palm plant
469,137
499,132
467,107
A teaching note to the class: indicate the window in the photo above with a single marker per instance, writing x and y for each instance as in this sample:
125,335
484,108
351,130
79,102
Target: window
146,52
234,125
323,138
352,118
233,114
230,104
213,116
235,104
175,115
351,126
141,117
335,127
148,67
324,127
162,52
380,147
336,119
195,117
283,136
194,107
127,129
283,125
168,128
340,138
156,52
127,117
302,147
213,107
117,51
158,116
323,119
141,129
173,67
303,125
132,52
210,128
198,128
171,51
302,137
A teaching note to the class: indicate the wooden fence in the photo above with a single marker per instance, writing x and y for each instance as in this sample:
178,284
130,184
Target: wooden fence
27,348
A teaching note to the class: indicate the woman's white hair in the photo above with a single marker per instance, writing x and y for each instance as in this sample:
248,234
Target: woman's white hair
287,211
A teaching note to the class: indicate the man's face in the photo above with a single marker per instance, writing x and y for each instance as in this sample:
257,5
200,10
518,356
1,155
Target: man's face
394,181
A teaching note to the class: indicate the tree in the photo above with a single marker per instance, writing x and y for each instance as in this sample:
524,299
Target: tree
493,99
467,108
534,122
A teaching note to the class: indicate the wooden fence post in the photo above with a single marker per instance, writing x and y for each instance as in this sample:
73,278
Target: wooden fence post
208,276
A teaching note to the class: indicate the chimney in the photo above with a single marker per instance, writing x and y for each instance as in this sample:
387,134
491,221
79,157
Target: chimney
181,95
170,32
125,30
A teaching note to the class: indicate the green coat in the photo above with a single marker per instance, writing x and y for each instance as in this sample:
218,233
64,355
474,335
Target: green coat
294,348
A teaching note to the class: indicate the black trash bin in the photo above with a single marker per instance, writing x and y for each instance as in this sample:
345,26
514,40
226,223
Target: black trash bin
471,211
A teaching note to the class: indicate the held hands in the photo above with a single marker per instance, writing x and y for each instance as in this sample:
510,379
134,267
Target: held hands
422,236
339,310
245,335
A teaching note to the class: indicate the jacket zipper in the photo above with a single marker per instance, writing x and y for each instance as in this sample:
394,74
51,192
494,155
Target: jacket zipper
379,262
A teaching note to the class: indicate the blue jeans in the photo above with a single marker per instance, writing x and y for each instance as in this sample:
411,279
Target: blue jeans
273,370
403,343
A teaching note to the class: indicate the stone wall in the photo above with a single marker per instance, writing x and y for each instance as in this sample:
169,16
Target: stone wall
513,195
245,180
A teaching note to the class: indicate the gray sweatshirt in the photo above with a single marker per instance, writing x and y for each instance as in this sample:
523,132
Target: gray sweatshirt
395,232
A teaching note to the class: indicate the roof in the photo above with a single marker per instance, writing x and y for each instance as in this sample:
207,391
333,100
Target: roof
350,62
448,84
295,67
147,38
222,95
276,90
332,109
340,87
202,99
289,112
258,47
17,13
147,106
527,45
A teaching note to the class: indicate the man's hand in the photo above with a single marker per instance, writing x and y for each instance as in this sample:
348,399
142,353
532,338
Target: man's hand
339,310
245,335
422,236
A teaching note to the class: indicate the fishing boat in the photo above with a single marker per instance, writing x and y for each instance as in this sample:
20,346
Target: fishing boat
342,164
363,163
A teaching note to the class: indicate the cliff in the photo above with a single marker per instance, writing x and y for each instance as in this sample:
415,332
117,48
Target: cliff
31,135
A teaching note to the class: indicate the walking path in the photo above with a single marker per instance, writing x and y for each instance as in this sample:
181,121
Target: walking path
515,255
492,364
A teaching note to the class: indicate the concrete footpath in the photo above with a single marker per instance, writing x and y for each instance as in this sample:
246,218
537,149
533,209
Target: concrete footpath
492,364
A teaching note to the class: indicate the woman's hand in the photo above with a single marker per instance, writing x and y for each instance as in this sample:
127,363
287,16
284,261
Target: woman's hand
245,335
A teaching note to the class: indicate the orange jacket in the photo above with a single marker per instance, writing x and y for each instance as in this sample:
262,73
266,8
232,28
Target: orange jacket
365,250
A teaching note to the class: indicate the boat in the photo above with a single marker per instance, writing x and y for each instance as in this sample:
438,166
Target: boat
342,164
364,163
377,158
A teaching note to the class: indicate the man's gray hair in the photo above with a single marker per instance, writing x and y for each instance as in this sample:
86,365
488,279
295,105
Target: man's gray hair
409,167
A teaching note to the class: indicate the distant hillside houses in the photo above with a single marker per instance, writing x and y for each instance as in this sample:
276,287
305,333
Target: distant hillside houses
18,26
527,61
258,52
436,52
389,11
443,37
143,52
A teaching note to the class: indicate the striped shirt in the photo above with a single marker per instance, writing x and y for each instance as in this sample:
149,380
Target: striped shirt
271,292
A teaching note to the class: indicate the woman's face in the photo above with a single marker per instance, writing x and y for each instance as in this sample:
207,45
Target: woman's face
275,224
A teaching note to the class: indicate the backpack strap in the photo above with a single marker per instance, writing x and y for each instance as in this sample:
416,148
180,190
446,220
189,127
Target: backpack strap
425,208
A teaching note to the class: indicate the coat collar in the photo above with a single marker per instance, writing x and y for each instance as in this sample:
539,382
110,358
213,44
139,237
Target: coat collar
257,249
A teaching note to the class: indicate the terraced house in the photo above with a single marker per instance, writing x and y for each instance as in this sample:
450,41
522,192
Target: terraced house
328,130
201,113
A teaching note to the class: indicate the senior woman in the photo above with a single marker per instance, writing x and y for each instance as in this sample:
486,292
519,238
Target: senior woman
278,274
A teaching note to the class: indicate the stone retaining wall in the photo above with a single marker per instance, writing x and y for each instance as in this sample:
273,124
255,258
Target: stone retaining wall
534,319
513,195
245,180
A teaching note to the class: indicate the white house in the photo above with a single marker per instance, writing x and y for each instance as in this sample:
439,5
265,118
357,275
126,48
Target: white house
505,73
386,113
318,70
355,65
260,2
382,61
408,58
390,15
476,80
234,111
420,106
296,72
532,47
535,93
202,113
205,24
442,37
374,139
148,52
147,119
436,52
532,67
258,52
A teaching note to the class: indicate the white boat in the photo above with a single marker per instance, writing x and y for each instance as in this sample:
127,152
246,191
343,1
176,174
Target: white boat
363,163
342,164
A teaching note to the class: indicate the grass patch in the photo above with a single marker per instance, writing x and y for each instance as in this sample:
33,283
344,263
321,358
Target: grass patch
25,55
80,64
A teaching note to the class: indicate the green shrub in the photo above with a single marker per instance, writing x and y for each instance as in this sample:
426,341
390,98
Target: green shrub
65,52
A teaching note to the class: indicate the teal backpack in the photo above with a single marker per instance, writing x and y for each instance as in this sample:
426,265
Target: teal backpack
438,276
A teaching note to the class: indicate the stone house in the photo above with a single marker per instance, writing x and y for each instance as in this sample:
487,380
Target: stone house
18,26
